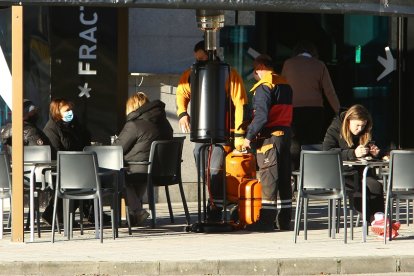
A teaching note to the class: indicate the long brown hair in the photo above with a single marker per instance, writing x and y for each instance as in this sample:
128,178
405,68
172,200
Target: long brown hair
357,112
56,105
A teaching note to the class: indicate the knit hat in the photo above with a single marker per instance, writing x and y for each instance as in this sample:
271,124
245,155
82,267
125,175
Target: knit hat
28,106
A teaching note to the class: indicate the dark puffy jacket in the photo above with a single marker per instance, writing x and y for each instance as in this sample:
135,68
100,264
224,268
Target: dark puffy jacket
66,136
143,126
32,136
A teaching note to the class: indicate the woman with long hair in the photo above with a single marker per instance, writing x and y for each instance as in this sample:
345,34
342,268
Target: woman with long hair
351,132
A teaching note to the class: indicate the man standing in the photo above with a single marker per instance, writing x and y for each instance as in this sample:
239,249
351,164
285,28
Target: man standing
310,81
272,105
236,92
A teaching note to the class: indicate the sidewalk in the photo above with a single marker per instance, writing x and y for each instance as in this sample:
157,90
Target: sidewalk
169,250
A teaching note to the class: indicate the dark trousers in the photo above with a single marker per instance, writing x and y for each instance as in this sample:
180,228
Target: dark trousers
307,128
216,161
375,194
273,159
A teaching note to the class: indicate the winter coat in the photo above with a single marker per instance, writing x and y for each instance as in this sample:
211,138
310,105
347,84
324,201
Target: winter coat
32,136
333,140
65,136
143,126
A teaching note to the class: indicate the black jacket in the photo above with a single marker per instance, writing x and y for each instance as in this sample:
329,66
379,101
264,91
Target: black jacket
32,136
333,140
143,126
66,136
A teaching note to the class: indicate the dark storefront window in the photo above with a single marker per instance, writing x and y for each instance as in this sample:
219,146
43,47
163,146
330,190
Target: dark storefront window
349,45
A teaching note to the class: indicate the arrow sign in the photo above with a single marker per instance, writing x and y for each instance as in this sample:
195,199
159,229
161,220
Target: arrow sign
389,63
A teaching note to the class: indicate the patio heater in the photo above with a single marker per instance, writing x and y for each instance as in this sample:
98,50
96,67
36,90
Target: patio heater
208,95
208,113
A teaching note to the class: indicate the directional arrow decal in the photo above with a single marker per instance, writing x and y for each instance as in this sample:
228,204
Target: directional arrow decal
389,63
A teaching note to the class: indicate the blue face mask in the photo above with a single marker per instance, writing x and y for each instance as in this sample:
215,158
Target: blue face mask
67,116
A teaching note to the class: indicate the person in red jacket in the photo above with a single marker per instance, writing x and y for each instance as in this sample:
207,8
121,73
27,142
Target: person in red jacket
270,128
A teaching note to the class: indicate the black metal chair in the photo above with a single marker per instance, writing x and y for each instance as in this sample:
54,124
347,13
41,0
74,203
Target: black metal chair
164,169
5,186
321,177
78,178
400,184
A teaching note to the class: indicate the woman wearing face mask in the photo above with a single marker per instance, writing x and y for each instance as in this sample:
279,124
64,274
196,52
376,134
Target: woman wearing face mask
63,128
65,133
351,133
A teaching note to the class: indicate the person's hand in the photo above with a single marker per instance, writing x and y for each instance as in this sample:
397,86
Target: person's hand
374,150
184,123
246,143
361,151
238,143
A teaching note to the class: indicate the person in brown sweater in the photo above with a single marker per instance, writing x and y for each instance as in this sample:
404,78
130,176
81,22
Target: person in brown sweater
310,80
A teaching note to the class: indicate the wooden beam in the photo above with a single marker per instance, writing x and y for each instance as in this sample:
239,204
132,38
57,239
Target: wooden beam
17,124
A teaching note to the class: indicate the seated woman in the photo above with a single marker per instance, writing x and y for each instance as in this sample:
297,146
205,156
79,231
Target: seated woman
351,133
145,122
66,133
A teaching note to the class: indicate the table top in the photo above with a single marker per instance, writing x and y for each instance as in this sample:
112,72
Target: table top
364,162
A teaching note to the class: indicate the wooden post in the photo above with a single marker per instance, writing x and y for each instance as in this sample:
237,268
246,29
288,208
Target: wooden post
17,124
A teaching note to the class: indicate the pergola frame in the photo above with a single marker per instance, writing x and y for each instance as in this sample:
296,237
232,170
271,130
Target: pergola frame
397,8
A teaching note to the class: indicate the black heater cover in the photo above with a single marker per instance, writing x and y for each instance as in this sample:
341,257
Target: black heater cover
208,102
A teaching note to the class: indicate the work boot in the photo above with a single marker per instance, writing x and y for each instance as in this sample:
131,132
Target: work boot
283,219
214,213
265,222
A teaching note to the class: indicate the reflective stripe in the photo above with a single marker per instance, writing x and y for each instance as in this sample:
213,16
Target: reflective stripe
264,148
278,133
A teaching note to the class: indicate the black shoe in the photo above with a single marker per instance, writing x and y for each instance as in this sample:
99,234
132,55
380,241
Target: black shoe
260,227
47,217
214,213
106,219
265,222
234,214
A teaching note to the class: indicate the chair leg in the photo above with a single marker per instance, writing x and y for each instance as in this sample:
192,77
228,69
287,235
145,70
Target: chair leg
81,216
187,214
297,216
100,218
151,201
351,222
128,220
96,210
330,217
54,217
334,218
388,202
305,218
167,194
1,219
10,212
345,220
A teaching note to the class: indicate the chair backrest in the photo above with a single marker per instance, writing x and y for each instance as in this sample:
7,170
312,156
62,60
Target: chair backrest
402,169
109,157
315,147
5,179
37,153
77,170
321,170
165,158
